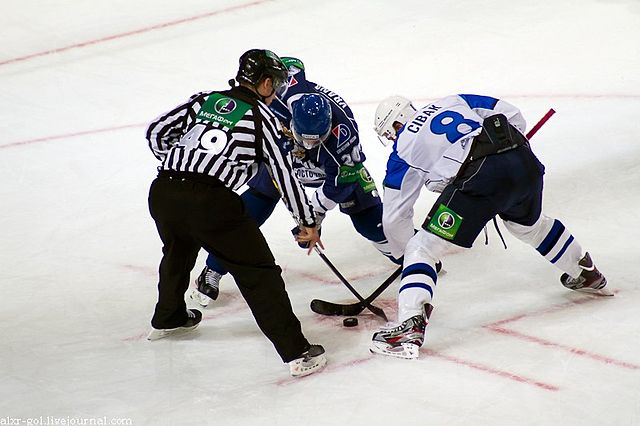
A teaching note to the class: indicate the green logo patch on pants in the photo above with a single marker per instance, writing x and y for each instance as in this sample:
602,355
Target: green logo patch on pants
445,223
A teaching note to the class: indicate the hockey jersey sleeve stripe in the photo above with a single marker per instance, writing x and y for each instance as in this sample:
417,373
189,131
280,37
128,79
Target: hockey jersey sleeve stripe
319,205
282,176
282,171
477,101
167,129
163,134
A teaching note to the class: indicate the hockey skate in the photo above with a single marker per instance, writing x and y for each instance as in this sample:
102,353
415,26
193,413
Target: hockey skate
207,287
194,317
403,341
589,281
310,361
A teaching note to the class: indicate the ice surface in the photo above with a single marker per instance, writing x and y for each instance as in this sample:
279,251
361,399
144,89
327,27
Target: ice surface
507,343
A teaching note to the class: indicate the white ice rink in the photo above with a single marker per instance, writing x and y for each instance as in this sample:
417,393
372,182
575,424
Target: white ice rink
507,345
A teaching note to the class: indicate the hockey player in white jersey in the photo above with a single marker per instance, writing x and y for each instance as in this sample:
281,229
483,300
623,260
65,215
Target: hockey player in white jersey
472,150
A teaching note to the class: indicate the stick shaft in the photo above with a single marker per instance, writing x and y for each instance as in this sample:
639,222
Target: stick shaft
540,123
338,274
368,305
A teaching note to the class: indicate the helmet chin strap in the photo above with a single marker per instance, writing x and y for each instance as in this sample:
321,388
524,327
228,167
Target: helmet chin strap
264,98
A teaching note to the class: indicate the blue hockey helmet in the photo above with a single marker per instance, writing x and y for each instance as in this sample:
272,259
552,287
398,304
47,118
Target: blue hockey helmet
311,120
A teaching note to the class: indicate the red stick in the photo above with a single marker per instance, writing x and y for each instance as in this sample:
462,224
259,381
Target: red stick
540,123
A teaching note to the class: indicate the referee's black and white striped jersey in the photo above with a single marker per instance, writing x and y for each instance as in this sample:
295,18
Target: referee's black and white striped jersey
214,133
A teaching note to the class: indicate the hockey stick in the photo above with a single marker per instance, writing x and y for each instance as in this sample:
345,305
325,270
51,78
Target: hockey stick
540,123
379,312
323,307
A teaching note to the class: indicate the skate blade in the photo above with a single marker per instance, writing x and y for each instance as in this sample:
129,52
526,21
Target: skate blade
298,369
404,350
601,292
202,299
157,334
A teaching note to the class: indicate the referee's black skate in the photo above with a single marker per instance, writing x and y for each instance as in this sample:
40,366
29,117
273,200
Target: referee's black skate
207,287
194,317
309,362
589,281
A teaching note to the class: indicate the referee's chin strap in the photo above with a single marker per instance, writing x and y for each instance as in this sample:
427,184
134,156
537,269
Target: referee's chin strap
486,234
264,98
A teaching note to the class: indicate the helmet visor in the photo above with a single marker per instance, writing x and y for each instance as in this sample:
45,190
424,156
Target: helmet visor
309,141
280,85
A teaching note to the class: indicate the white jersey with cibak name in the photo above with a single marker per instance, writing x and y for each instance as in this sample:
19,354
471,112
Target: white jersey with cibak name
429,151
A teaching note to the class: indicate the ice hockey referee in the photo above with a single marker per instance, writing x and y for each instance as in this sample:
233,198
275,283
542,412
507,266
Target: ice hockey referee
209,147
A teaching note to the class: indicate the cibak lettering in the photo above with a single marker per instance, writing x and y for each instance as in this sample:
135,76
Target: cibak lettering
422,118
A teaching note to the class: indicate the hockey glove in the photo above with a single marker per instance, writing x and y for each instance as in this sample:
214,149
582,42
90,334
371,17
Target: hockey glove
304,244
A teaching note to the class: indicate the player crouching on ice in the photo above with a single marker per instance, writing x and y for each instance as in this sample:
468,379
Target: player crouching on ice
323,144
472,151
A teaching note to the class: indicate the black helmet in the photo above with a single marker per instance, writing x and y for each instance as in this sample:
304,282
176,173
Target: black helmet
258,64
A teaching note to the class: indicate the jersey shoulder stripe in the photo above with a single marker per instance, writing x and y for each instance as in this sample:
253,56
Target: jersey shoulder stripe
478,101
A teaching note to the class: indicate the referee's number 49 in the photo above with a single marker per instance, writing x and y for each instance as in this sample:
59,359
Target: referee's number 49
212,140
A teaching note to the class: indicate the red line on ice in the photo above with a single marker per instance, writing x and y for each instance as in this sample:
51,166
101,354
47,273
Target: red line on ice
496,327
69,135
573,350
549,310
504,374
131,33
492,370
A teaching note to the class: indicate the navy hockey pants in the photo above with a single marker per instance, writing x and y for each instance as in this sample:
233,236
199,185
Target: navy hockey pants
508,184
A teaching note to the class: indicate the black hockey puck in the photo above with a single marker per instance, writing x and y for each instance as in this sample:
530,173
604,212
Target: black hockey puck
350,322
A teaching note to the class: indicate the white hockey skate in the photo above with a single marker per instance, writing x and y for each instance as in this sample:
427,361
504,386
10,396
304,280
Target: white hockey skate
193,319
403,341
310,361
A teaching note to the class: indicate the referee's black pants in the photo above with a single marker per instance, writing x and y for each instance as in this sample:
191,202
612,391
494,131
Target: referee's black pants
191,214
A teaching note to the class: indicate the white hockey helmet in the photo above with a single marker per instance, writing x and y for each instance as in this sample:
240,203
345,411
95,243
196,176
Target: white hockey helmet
392,109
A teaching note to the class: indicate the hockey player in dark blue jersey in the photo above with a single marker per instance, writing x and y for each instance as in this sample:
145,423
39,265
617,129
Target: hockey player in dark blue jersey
322,139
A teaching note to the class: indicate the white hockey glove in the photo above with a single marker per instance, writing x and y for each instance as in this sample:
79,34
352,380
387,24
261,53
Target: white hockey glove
436,186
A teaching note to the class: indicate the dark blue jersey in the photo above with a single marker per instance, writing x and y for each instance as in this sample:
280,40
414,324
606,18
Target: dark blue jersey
336,164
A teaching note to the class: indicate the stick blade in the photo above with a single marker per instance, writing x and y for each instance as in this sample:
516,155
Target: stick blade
378,311
323,307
